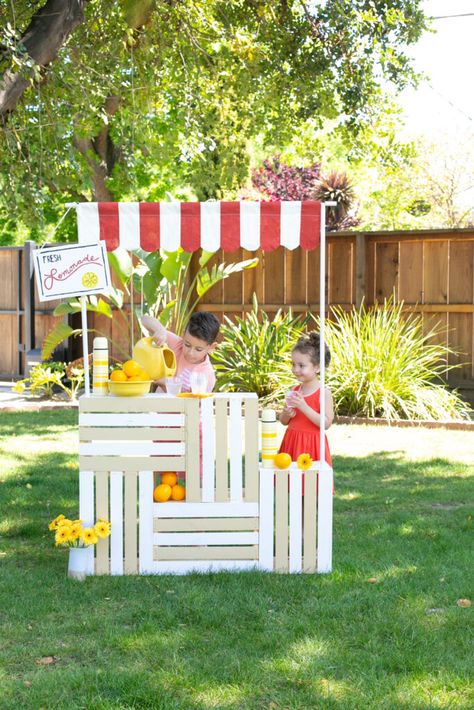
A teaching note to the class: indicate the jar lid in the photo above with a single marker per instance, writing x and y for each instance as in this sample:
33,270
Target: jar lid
268,415
101,343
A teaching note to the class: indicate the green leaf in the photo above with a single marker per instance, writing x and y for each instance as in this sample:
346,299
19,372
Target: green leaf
60,333
121,263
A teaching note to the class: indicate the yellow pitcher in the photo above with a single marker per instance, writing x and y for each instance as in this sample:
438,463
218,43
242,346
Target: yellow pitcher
158,360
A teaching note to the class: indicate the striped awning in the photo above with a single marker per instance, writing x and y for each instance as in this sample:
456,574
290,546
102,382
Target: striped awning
207,225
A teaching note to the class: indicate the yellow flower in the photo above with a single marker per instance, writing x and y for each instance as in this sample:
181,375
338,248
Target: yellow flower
102,528
304,461
19,387
76,529
63,535
54,523
64,521
89,536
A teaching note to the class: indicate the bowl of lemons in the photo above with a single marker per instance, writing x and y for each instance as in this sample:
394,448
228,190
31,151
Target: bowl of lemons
129,380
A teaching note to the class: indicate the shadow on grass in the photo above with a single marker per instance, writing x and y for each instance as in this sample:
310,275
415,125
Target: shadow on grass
250,641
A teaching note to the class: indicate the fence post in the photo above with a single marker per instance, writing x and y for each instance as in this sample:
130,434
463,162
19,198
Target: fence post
360,269
29,302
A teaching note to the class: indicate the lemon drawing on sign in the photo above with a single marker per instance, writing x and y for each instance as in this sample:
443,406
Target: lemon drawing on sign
90,280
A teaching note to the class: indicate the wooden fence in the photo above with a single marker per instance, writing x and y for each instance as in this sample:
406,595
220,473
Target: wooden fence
431,271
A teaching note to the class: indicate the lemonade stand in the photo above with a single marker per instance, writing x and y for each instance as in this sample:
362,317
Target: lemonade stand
237,513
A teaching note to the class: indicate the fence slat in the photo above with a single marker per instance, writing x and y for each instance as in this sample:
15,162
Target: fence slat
281,522
296,521
236,479
204,524
309,540
116,519
130,516
325,503
208,449
86,509
222,475
205,538
145,530
251,449
102,511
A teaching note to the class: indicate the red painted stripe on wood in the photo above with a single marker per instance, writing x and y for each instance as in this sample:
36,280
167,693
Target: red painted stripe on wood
109,224
149,225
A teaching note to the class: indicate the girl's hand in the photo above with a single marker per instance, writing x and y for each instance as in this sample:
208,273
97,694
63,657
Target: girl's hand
288,412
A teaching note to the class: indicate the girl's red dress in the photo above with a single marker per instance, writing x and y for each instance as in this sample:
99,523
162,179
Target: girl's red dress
302,436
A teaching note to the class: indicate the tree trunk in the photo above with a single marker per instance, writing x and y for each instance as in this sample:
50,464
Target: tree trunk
48,30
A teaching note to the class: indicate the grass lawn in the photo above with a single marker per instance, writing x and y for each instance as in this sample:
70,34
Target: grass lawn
382,631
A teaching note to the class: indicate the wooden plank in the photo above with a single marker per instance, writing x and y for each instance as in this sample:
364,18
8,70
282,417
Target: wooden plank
131,434
147,403
411,289
131,448
107,419
274,274
205,538
205,510
313,282
253,280
266,496
386,270
296,277
102,511
296,521
340,272
309,522
145,522
9,344
116,519
325,503
178,567
222,475
130,526
232,289
249,552
86,508
435,271
360,269
461,329
461,272
131,463
208,435
281,522
204,524
193,459
236,473
251,449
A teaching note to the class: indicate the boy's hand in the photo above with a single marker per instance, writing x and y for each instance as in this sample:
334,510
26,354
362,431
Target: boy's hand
156,329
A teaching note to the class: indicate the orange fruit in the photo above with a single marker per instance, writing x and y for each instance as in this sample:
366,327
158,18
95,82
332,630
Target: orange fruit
170,478
143,375
134,378
282,460
178,492
131,368
118,376
162,493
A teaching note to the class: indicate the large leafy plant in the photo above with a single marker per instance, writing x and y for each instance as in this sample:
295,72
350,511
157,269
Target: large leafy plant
385,365
167,291
255,353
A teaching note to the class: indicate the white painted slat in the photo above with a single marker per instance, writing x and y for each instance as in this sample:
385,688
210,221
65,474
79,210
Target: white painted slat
251,449
170,225
86,509
325,505
235,436
131,433
116,518
266,519
132,463
205,510
296,521
131,419
145,523
208,450
129,225
162,403
290,224
250,225
131,448
88,228
206,538
210,226
187,566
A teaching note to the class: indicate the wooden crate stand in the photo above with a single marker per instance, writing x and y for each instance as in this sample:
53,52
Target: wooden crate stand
235,516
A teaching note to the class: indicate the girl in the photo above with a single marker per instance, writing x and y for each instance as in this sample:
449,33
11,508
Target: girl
302,404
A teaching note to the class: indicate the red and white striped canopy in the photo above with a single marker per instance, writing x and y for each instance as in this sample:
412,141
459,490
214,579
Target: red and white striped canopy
207,225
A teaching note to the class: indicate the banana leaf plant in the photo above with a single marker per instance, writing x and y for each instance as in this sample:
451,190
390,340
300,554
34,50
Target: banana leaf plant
167,291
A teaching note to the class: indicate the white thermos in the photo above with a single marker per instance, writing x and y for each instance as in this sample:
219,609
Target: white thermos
269,437
100,366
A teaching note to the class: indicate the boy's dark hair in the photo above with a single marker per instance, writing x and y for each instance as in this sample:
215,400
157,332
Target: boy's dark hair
203,325
310,345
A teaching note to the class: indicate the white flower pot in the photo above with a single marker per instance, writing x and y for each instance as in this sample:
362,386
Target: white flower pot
79,562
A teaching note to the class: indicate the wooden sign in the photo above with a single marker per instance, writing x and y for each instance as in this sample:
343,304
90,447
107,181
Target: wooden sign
68,270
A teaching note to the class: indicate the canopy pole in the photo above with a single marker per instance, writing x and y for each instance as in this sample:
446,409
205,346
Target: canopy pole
322,313
85,351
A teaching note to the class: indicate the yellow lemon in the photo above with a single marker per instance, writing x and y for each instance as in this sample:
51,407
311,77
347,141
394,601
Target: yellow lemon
162,493
132,368
170,478
282,460
118,376
178,492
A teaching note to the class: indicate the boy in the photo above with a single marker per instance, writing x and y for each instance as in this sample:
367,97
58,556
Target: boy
192,350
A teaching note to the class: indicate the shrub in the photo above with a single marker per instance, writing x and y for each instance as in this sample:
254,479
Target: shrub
383,365
47,377
255,354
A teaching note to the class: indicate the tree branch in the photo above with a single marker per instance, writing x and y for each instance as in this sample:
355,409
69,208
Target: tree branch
46,34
